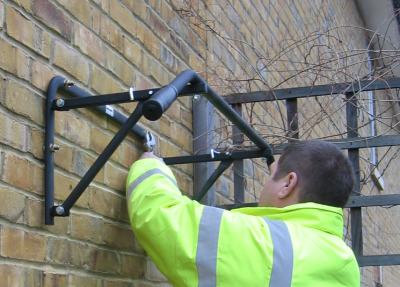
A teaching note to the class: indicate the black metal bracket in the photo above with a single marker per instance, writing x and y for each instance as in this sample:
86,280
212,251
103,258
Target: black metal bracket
152,103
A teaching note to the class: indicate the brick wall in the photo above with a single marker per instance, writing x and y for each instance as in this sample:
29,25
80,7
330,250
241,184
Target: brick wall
107,46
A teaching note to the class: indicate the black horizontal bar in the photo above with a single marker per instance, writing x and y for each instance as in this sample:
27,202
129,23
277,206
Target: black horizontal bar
346,143
314,91
354,143
379,260
354,201
373,200
238,205
109,111
92,101
117,98
235,155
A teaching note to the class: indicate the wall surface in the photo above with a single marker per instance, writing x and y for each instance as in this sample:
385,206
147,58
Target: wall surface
107,46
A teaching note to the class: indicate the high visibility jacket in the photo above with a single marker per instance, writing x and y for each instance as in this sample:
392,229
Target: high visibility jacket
197,245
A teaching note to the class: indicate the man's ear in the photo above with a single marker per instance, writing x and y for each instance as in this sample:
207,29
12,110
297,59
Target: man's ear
289,185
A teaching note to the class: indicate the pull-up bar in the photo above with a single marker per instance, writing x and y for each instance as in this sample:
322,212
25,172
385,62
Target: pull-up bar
152,104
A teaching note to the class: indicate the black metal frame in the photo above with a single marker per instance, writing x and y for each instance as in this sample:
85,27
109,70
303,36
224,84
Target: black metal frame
352,143
152,104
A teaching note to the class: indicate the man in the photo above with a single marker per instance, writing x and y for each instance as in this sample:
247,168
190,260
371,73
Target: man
294,237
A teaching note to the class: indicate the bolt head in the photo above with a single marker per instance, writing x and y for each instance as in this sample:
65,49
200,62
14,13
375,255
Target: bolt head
60,210
54,147
196,98
60,103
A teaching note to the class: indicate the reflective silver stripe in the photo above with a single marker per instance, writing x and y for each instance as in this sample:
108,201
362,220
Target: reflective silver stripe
282,264
141,178
207,246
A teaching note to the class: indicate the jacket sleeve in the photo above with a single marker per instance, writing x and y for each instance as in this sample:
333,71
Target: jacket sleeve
165,222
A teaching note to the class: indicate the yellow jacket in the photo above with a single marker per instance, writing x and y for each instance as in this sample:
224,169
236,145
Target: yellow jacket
197,245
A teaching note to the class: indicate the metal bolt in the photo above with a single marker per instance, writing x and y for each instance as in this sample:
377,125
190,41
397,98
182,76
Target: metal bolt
54,147
60,103
68,83
151,92
196,98
60,210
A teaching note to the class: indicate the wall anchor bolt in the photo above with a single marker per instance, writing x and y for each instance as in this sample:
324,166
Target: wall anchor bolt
68,83
60,103
54,147
60,210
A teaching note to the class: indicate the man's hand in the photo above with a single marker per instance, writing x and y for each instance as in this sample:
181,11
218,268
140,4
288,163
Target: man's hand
149,154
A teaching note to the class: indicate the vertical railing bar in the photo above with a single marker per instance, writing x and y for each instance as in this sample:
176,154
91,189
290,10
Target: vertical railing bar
238,165
293,119
354,157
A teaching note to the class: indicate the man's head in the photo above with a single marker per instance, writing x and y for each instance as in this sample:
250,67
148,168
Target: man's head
309,171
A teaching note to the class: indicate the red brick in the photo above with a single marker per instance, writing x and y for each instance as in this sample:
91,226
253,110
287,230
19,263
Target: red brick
54,280
128,154
20,99
22,173
1,16
105,203
53,17
86,227
41,75
20,244
138,7
118,12
82,255
70,61
12,275
133,52
116,283
106,261
182,136
120,68
33,277
143,83
133,266
149,40
168,149
13,133
82,161
95,20
99,139
157,25
179,46
89,43
115,177
118,237
110,32
104,83
104,4
73,128
59,250
64,156
13,60
152,273
12,205
79,281
80,9
20,28
64,185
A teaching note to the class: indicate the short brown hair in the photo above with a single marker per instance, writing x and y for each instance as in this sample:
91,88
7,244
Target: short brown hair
325,175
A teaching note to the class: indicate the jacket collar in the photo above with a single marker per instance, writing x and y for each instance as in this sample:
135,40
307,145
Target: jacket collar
322,217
